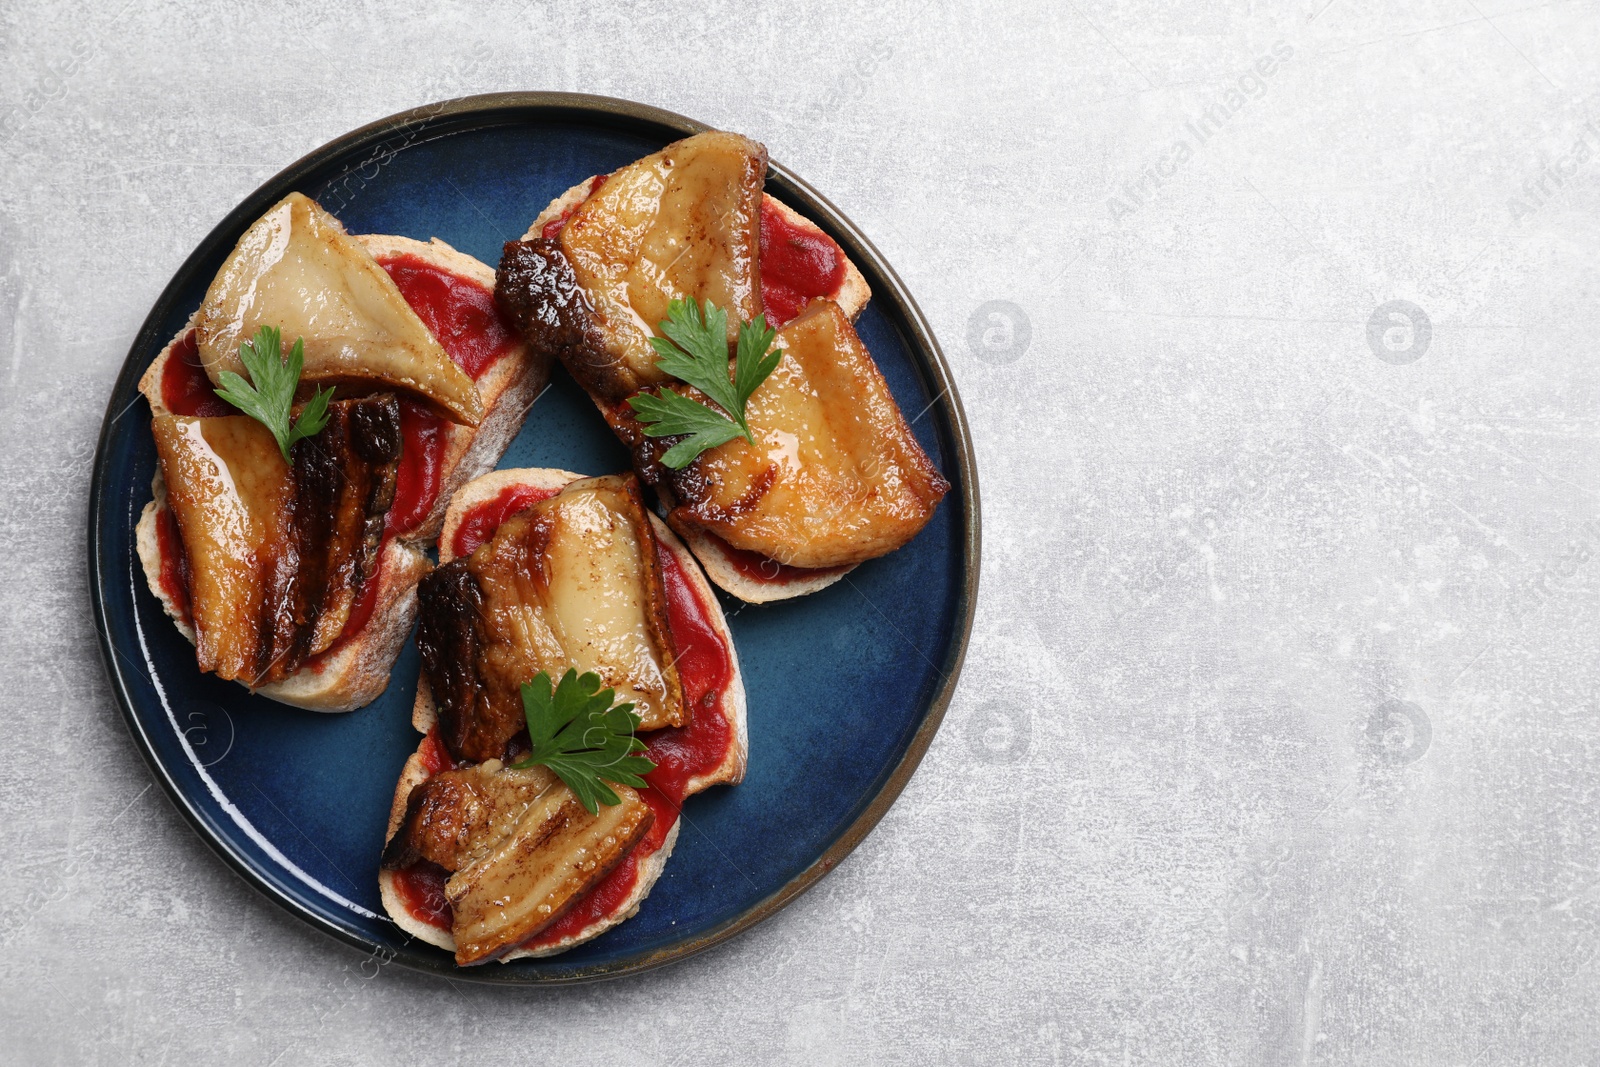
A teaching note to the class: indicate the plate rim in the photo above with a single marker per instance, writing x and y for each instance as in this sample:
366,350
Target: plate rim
443,118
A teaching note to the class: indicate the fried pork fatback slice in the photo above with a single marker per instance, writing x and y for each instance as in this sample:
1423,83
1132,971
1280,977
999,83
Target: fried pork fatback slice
521,847
297,269
277,554
835,476
449,816
573,581
682,223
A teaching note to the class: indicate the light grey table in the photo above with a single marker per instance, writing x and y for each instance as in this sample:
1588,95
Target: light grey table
1277,738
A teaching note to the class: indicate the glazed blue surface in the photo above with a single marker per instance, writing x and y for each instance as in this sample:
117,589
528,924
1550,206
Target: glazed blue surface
838,682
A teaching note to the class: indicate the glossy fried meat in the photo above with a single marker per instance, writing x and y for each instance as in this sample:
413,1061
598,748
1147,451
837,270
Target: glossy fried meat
476,718
345,482
296,269
835,476
573,581
681,223
445,814
537,290
522,848
277,555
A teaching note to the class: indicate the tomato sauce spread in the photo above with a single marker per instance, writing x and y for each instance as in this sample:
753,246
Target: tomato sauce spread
759,568
185,389
705,670
174,575
482,520
797,265
461,313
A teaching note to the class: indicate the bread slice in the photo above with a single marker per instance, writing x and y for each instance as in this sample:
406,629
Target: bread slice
424,716
715,556
356,671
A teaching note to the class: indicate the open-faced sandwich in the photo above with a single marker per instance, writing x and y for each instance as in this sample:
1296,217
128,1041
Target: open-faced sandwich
290,509
782,473
521,826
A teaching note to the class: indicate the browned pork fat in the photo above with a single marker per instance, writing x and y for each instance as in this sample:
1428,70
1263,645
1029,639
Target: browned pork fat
835,476
296,269
681,223
277,554
573,581
445,814
521,847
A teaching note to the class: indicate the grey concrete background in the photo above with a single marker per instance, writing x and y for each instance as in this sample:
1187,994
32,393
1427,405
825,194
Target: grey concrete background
1277,737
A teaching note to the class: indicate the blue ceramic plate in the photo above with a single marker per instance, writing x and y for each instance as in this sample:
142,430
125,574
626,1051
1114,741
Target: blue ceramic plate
846,687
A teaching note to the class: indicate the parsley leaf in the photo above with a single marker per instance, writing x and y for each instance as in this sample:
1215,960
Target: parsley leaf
674,413
694,349
271,397
577,732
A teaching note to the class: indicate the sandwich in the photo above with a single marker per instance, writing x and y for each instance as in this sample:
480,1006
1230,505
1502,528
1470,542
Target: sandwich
825,473
290,558
492,854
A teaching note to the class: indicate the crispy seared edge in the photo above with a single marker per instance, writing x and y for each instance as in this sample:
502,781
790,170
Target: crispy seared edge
356,674
424,715
713,556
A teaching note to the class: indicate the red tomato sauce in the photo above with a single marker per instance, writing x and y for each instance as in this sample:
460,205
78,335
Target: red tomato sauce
759,568
174,575
797,265
435,754
423,437
482,520
185,389
705,670
461,313
421,890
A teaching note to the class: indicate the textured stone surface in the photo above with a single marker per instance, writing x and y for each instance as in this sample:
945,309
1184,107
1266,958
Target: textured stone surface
1277,738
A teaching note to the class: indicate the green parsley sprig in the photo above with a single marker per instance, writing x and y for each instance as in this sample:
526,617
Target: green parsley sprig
271,397
695,350
577,732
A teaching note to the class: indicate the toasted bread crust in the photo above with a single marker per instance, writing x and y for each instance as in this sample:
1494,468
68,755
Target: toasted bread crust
359,671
